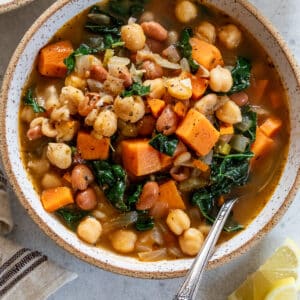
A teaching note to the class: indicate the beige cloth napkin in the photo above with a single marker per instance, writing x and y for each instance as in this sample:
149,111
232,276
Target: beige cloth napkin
25,274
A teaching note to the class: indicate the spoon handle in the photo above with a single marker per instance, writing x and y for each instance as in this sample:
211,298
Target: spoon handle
189,288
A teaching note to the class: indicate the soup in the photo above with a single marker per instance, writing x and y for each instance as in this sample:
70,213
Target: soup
138,121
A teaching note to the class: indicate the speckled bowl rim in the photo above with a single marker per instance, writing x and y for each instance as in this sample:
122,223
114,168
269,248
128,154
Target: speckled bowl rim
13,5
141,274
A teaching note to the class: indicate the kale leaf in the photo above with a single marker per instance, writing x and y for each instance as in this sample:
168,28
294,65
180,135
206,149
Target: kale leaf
112,179
164,144
241,74
30,100
136,89
71,216
144,222
186,49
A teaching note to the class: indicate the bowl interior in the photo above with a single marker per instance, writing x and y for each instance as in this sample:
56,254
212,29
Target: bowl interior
19,70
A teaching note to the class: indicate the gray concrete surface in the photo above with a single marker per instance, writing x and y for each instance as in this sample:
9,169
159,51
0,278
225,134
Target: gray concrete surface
94,283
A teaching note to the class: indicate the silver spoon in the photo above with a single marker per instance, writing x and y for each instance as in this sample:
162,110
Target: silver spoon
190,286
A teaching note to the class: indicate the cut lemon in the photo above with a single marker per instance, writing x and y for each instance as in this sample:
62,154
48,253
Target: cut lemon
284,263
283,289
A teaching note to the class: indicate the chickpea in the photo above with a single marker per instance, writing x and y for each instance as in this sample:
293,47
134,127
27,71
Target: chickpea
66,130
106,124
207,104
220,80
71,97
191,241
130,109
91,117
167,121
152,69
148,196
123,241
155,31
179,88
50,180
178,221
46,127
86,200
120,71
230,36
75,81
185,11
206,32
113,85
89,230
133,36
157,88
81,177
39,166
60,155
229,113
27,114
60,114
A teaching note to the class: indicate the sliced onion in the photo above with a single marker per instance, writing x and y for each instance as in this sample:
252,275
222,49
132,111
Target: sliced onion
185,65
208,158
94,85
142,248
203,72
259,110
157,236
172,54
175,251
148,55
120,61
121,221
132,20
153,255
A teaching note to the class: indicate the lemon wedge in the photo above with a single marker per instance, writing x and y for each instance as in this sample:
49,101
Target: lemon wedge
283,289
282,265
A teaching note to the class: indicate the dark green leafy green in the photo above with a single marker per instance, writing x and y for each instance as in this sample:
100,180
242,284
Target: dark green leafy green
112,179
186,49
145,221
126,9
241,74
164,144
71,216
136,89
30,100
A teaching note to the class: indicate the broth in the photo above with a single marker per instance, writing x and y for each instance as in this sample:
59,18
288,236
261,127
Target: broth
264,174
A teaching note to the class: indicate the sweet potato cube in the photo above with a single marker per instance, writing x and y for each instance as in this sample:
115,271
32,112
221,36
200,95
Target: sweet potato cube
56,198
199,84
262,144
169,193
156,106
271,126
226,129
205,54
51,59
197,132
165,160
91,148
139,158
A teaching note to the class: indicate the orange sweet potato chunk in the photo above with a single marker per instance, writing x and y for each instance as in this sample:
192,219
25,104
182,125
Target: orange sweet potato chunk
262,145
91,148
56,198
169,193
197,132
139,158
206,54
156,106
271,126
51,59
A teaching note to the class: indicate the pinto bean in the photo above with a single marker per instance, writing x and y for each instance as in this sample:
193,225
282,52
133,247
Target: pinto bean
180,173
87,199
148,196
124,74
167,121
152,69
81,177
146,125
181,148
155,31
98,73
240,98
155,46
34,133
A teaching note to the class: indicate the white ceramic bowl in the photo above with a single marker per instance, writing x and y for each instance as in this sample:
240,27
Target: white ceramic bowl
7,5
19,69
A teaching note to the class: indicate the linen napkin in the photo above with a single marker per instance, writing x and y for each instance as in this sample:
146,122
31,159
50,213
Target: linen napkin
24,274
